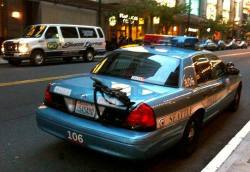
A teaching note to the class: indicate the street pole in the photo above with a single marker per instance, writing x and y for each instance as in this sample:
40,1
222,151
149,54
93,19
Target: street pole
189,14
2,20
99,12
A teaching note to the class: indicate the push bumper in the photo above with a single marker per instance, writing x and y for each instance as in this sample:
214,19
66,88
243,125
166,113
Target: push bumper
106,138
16,56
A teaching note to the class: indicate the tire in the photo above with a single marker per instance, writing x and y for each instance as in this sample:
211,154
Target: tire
234,106
37,58
90,55
190,138
14,62
67,59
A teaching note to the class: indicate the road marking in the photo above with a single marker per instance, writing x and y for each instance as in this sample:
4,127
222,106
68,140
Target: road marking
5,84
223,155
236,54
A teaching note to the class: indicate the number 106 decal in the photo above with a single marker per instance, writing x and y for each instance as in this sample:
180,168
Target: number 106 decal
75,137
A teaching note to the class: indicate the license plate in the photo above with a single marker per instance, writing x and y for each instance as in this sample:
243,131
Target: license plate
85,109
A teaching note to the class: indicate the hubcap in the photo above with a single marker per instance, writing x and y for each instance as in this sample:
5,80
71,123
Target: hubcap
90,56
191,133
39,59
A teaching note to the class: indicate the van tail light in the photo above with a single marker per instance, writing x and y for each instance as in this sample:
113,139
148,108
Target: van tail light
48,95
142,117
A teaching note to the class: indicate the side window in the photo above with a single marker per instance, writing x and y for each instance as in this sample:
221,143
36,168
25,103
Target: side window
87,32
218,67
203,69
51,33
69,32
100,33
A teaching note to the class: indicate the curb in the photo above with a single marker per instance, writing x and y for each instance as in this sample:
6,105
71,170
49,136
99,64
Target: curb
216,163
2,61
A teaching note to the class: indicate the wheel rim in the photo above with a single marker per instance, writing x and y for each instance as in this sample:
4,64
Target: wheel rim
38,59
191,132
90,56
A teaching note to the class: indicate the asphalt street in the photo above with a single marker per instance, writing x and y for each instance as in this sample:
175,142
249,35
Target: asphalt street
24,147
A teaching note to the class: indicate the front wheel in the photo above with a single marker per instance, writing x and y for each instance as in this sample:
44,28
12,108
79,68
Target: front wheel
37,58
234,106
90,55
191,136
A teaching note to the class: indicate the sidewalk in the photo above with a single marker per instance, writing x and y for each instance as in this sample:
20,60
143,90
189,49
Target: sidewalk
235,156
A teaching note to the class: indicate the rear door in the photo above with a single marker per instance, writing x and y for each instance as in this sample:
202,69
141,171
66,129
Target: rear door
211,88
71,44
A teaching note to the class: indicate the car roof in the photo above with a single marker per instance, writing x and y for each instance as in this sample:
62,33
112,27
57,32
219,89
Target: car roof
68,25
164,50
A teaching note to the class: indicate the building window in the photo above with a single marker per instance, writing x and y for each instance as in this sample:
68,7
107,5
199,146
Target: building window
195,6
226,10
237,10
169,3
211,9
246,6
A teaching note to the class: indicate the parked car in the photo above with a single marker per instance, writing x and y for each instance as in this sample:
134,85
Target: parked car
207,45
221,45
139,101
185,42
232,44
47,41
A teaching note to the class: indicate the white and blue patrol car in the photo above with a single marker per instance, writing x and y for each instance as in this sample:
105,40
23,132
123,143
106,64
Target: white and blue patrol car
139,101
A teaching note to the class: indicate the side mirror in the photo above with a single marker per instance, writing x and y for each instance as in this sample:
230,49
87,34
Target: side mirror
231,70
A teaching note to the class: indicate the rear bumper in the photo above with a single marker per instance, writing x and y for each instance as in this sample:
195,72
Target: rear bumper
105,138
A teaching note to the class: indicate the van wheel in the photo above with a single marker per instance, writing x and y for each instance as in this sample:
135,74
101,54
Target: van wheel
37,58
90,55
67,59
15,62
190,138
234,106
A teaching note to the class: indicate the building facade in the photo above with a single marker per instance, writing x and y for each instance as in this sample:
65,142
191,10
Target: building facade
15,15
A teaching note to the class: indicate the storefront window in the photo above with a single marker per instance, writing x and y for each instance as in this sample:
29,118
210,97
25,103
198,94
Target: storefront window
195,6
246,6
211,9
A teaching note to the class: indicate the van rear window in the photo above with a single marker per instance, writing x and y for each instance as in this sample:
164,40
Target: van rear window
87,32
69,32
100,33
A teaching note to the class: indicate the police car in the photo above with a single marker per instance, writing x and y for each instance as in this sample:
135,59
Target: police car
47,41
139,101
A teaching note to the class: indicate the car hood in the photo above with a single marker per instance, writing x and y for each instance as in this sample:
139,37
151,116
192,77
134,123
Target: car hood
81,88
22,40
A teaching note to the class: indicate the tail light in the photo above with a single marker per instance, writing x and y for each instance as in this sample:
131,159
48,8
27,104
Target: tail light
48,95
142,117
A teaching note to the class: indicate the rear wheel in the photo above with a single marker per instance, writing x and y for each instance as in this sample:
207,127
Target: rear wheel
90,55
234,106
37,58
15,62
191,136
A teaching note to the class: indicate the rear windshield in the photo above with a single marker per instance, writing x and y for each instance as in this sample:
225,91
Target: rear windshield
33,31
144,67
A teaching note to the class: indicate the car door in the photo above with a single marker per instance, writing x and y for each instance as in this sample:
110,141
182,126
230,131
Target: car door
71,43
89,37
52,42
209,88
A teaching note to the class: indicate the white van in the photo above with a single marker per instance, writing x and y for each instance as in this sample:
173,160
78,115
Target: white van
45,41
